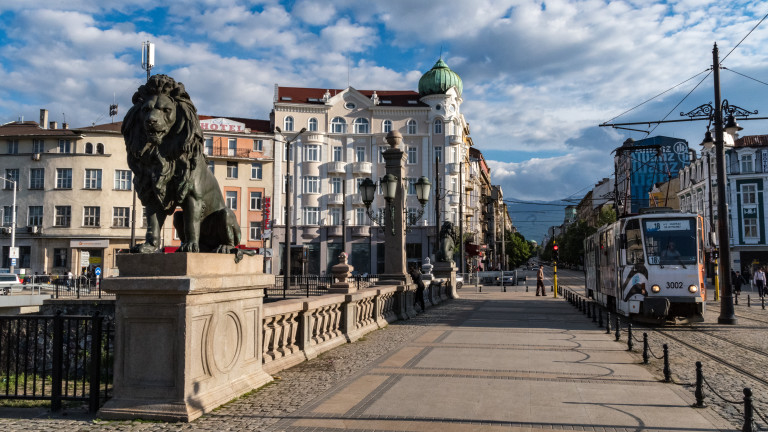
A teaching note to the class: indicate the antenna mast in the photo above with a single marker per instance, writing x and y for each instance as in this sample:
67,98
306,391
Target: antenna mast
147,57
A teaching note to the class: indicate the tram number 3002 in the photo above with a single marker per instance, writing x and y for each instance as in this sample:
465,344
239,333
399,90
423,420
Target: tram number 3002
675,285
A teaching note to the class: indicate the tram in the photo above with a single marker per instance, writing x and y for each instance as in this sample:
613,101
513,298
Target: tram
649,267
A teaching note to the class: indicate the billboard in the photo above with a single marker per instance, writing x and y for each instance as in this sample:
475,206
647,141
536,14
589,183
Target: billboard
650,166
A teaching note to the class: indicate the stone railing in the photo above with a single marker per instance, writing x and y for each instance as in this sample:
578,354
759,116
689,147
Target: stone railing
300,329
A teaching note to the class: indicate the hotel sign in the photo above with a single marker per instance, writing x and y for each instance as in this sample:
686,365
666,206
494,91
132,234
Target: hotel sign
90,244
223,125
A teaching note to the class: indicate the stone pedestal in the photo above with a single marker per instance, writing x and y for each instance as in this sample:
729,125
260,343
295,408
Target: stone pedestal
447,272
188,334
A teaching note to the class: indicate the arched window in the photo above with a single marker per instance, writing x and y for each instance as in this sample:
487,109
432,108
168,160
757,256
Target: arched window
438,126
386,126
361,126
313,124
288,124
338,125
100,148
89,148
411,127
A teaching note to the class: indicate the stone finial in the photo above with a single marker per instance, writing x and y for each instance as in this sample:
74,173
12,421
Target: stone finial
341,272
426,268
394,139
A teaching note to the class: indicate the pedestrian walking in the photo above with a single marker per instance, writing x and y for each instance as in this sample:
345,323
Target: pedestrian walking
759,280
70,279
738,281
540,281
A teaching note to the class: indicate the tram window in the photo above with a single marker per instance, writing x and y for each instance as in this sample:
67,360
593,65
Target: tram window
634,243
670,241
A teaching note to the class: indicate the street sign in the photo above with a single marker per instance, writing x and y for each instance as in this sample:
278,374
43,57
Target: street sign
13,262
267,252
97,272
13,252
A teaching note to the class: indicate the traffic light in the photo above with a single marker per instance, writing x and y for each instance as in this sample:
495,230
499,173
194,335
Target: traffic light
555,252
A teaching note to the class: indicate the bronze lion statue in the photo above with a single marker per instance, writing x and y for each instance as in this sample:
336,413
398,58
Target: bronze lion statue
447,243
164,143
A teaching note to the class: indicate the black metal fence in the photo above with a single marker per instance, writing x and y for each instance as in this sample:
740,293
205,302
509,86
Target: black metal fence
57,358
62,287
311,285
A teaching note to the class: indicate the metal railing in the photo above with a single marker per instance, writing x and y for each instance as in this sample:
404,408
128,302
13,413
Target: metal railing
311,285
62,287
57,358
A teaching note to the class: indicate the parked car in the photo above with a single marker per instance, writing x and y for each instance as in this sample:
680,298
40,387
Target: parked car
459,281
9,281
509,278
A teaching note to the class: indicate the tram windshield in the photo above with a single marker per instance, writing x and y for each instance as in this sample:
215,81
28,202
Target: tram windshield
670,241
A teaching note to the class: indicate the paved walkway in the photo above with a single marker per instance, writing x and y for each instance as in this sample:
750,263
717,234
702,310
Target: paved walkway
489,361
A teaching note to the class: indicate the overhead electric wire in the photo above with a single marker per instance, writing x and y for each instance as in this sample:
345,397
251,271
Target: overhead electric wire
678,104
745,36
745,76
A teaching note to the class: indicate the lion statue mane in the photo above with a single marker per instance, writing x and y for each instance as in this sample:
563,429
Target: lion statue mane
164,143
447,243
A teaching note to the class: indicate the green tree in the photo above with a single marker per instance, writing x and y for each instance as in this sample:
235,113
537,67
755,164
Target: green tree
518,249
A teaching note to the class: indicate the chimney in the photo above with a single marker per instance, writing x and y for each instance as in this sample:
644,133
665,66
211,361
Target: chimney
54,125
43,118
65,125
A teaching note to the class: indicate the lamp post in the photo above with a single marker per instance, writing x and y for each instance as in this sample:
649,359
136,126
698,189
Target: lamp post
287,250
394,224
13,221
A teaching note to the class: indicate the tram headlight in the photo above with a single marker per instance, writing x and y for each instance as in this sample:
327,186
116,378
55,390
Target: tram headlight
655,289
693,288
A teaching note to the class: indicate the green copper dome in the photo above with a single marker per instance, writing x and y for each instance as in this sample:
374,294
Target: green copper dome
439,79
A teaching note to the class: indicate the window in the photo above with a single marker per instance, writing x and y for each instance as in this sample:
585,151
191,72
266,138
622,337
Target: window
288,179
337,154
231,198
211,166
334,216
288,153
232,147
65,146
100,148
63,216
311,215
92,179
361,126
411,127
60,257
88,148
311,184
312,152
338,125
411,185
454,185
254,231
350,105
386,126
288,124
143,217
360,154
8,215
208,143
360,216
750,227
123,179
382,149
37,178
439,154
412,213
255,200
336,185
749,194
13,146
746,163
38,146
258,145
438,126
412,159
231,169
12,174
120,217
256,171
313,124
91,216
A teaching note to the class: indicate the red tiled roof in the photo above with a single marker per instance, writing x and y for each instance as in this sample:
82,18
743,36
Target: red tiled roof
752,141
303,95
107,127
31,128
255,125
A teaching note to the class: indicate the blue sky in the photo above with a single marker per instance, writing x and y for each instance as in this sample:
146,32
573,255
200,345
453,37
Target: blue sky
538,76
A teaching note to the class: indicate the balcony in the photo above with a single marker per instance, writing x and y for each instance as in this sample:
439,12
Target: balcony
355,199
362,168
337,167
361,231
453,199
334,231
335,199
223,151
315,138
455,139
453,168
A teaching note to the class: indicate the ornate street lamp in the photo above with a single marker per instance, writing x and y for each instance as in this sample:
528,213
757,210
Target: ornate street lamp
389,185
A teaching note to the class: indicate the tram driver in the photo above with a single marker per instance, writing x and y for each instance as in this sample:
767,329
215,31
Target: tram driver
671,252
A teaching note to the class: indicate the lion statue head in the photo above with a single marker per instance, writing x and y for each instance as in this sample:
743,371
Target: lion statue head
163,140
